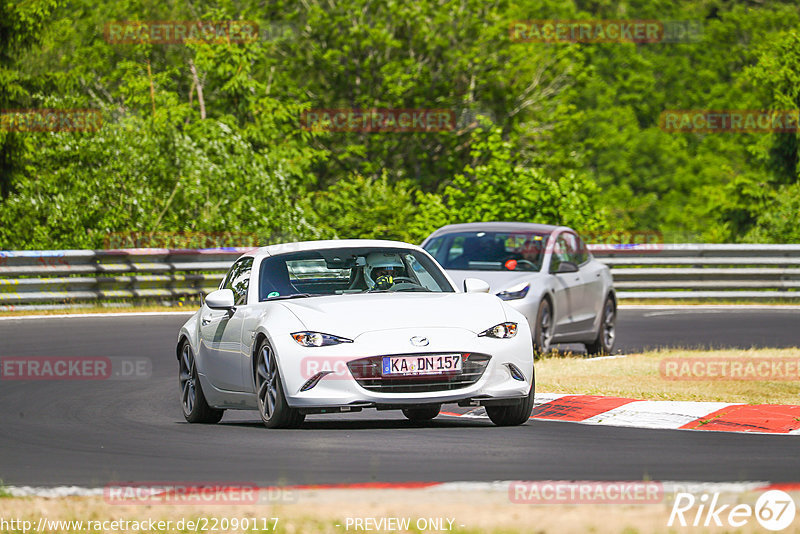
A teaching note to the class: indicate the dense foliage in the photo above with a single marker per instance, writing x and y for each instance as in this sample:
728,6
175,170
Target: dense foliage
208,136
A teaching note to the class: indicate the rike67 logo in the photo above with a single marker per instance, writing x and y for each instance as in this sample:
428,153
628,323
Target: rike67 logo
774,510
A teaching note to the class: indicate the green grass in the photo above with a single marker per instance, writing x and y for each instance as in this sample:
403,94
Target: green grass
638,376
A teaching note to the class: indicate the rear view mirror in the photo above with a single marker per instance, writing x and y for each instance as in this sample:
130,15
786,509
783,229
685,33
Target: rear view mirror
221,299
475,285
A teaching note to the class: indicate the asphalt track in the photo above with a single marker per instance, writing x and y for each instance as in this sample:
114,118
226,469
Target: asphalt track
90,433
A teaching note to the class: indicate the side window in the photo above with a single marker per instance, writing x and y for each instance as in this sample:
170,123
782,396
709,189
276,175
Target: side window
241,281
583,251
226,282
238,280
434,245
566,249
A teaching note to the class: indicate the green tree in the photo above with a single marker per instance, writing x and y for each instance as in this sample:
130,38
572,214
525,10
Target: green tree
360,207
21,28
497,188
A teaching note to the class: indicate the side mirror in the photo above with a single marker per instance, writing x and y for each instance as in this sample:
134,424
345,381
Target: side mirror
566,267
221,299
475,285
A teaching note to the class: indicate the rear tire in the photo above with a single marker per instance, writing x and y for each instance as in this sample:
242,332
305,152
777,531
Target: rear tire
607,333
513,415
543,333
422,414
272,405
193,402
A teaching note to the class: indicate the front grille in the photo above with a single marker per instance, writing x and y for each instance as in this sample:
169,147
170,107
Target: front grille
367,372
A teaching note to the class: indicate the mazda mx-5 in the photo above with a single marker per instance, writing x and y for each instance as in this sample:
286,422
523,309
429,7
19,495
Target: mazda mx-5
340,326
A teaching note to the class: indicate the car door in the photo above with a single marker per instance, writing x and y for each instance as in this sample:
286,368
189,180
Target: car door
567,287
594,288
221,332
591,295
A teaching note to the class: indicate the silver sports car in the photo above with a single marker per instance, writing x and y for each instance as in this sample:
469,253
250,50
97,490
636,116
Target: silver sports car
546,272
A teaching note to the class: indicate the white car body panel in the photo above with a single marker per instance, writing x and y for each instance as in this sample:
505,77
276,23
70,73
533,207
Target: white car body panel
379,324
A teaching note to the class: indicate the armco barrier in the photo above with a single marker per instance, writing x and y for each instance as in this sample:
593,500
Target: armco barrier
701,271
63,278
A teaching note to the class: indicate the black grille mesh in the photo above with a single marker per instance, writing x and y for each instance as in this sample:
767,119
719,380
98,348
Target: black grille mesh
367,372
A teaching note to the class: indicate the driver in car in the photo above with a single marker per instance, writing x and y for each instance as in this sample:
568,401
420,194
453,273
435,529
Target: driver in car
382,269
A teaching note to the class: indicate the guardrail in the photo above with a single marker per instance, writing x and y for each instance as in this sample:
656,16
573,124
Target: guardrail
75,278
71,278
700,271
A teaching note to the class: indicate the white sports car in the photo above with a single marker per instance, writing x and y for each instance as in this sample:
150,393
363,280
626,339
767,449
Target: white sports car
338,326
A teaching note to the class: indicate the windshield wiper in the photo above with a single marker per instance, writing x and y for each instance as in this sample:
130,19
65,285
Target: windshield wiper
418,289
292,296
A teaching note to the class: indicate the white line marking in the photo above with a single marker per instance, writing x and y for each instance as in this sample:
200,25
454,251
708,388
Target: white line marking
687,312
742,307
91,315
53,493
613,357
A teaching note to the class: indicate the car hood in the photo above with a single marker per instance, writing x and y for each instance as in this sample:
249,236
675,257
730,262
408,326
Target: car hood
353,315
497,280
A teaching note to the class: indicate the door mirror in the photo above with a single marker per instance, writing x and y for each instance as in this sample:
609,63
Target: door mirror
221,299
566,267
475,285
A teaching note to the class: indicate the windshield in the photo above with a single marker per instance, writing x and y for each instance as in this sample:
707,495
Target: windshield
349,270
489,251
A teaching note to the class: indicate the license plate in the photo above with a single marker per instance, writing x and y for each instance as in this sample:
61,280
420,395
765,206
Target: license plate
427,364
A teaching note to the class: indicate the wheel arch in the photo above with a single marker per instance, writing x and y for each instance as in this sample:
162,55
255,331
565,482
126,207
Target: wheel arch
260,336
183,338
613,294
547,295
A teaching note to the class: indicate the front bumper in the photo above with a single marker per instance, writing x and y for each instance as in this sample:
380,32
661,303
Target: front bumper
338,390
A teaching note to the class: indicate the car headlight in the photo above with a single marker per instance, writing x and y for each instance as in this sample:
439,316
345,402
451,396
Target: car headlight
316,339
501,331
515,292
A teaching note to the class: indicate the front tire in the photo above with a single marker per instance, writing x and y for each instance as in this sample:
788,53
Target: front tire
272,406
193,402
513,415
543,333
607,333
422,414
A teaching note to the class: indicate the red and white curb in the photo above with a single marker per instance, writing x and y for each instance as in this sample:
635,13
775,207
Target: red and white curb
683,415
